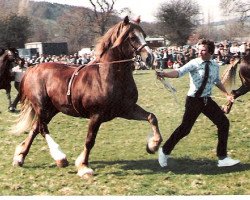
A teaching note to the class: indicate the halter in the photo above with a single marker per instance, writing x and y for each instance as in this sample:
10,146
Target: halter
137,50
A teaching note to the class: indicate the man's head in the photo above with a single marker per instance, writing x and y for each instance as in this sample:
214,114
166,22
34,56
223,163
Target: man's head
206,49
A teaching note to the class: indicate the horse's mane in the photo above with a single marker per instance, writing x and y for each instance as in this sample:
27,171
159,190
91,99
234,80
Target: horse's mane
112,38
115,36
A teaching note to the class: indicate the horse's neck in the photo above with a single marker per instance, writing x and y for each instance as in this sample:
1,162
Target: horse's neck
3,67
3,63
3,58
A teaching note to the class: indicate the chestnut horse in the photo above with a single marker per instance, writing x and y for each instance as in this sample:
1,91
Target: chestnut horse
7,57
100,91
244,74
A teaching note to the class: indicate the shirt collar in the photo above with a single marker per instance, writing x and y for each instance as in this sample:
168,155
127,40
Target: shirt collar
200,61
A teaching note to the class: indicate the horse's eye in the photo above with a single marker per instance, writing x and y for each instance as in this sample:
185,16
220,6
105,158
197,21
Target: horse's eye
133,37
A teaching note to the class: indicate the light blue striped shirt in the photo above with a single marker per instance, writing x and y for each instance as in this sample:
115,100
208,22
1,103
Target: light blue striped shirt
196,69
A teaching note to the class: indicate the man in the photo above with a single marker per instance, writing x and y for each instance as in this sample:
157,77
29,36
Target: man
199,101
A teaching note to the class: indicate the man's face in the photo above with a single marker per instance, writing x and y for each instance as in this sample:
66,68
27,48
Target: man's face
203,52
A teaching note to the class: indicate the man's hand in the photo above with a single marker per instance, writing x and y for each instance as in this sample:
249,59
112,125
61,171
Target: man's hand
230,98
159,74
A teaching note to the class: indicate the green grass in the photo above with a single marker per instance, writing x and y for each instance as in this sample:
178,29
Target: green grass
119,158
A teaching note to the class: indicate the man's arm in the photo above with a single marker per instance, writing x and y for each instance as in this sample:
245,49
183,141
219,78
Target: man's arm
223,89
171,74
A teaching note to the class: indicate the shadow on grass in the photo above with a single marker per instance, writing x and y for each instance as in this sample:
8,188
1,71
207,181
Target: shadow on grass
177,166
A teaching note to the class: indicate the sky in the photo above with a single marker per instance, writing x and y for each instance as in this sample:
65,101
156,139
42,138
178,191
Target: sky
147,8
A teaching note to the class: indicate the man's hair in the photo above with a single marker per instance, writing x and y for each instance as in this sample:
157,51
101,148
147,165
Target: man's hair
210,45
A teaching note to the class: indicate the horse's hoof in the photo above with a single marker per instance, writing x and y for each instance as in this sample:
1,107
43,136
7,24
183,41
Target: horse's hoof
62,163
225,109
17,163
153,145
85,173
149,150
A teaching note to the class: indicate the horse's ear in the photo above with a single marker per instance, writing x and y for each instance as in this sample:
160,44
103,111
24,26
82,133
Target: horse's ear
137,20
126,20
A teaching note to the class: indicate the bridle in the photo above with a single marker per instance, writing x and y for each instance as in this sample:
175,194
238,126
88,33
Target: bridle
137,50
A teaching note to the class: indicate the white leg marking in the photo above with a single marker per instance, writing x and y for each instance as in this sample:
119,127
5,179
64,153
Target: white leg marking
55,150
85,171
79,160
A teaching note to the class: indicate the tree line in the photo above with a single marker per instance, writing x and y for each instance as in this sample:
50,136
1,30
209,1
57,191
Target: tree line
178,21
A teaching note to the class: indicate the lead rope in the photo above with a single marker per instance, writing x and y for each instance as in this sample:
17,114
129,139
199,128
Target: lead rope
169,87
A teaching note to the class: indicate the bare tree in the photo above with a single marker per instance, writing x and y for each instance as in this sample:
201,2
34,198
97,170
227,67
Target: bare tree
75,30
240,8
103,10
176,19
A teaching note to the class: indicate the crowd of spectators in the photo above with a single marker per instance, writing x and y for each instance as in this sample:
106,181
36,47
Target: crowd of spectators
165,57
177,56
67,59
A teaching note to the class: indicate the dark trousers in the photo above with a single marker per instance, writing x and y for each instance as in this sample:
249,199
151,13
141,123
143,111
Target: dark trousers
193,108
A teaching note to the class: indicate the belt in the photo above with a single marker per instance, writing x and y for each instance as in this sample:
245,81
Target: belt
204,99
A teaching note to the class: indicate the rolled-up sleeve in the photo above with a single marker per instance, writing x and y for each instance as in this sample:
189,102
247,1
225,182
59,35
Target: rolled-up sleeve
191,65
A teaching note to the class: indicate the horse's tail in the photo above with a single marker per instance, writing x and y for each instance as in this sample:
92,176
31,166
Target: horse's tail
25,120
229,75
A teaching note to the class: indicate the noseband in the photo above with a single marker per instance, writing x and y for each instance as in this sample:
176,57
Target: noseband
141,47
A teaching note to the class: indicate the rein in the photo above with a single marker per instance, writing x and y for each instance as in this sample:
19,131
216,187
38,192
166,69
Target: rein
168,86
113,62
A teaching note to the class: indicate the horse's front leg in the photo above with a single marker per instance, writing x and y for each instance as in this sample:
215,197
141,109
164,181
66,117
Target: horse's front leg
236,93
137,113
82,162
227,108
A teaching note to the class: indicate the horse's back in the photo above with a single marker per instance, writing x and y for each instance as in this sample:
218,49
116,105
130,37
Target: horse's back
46,79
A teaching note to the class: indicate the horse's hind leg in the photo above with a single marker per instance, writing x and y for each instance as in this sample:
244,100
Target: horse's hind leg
82,161
23,148
56,152
138,113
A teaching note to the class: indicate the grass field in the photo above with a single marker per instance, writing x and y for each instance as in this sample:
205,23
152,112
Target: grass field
119,159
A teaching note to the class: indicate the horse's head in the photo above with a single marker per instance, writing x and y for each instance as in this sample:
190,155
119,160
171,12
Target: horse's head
127,38
13,55
7,56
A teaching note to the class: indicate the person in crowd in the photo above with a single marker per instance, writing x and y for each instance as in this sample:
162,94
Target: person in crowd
176,65
40,59
204,73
